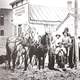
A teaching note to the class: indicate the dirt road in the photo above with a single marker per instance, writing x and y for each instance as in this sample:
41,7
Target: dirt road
35,74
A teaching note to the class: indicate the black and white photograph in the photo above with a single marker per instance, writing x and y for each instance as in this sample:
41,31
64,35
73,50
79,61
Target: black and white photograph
39,39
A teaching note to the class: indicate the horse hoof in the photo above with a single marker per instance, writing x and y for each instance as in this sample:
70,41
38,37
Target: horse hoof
25,69
12,70
64,69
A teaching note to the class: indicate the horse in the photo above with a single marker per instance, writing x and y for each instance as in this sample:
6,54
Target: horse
16,49
23,50
11,51
40,51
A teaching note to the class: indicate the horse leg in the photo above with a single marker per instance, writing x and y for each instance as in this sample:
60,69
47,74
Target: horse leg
39,62
18,60
9,60
8,57
14,59
30,59
13,62
25,62
43,62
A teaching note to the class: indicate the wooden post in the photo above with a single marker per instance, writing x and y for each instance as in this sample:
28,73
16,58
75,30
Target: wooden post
75,27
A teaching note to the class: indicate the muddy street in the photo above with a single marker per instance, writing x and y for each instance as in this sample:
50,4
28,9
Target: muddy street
35,74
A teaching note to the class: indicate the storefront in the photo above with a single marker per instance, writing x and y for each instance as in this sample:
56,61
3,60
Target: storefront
20,16
43,18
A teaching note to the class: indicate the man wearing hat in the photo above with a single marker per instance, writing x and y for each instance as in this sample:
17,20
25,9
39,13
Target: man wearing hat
57,40
66,41
57,45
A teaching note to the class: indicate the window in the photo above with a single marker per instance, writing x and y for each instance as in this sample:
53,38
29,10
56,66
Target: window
46,26
19,29
1,32
1,20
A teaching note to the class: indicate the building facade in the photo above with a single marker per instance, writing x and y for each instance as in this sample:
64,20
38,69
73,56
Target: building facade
6,28
41,18
20,16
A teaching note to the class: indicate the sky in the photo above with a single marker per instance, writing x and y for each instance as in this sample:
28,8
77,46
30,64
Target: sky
53,3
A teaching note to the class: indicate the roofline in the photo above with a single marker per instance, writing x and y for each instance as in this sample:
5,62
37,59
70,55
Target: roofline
5,8
68,15
63,21
49,22
44,20
16,1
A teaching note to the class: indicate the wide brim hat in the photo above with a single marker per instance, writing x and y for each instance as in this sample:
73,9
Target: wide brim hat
66,30
58,35
46,33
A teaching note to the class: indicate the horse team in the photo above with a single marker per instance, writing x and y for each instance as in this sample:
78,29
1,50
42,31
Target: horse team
60,51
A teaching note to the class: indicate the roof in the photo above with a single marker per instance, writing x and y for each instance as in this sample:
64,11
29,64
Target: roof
69,23
45,13
68,15
15,1
5,9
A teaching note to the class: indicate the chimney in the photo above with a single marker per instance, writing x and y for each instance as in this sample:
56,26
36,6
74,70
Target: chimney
69,6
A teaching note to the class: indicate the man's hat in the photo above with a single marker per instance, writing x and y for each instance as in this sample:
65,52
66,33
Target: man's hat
46,33
58,35
66,30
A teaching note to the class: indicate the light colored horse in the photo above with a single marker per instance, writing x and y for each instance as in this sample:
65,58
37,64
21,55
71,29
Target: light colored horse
11,51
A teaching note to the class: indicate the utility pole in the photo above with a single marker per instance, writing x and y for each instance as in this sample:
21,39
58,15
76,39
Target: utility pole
76,16
75,28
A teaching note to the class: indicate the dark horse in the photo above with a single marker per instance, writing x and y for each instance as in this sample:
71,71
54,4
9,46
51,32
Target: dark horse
40,51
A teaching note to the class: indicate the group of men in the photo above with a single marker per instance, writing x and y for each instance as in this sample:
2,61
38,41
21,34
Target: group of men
64,52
